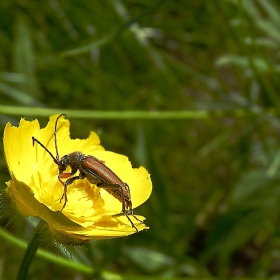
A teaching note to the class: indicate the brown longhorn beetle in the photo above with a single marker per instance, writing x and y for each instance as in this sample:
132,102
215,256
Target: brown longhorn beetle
95,171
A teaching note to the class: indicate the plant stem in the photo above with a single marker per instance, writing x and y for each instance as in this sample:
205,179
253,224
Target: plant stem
31,251
58,260
122,115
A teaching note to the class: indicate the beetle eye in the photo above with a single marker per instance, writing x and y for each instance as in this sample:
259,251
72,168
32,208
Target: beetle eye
63,163
61,167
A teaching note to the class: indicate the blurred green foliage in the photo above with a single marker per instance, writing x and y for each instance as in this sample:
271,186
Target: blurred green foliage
215,207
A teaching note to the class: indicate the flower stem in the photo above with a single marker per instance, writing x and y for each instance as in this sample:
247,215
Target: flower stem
31,251
132,115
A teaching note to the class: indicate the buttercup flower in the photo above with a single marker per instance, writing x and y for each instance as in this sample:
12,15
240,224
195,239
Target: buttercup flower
91,212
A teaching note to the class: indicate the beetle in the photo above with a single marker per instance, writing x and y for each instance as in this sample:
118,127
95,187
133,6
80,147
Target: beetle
94,170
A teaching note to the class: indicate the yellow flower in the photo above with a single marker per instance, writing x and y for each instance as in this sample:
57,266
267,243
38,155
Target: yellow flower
91,212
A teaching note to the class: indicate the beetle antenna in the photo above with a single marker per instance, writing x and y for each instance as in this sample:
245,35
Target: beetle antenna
55,138
45,148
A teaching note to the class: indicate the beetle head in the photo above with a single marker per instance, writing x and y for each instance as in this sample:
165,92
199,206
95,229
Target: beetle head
63,163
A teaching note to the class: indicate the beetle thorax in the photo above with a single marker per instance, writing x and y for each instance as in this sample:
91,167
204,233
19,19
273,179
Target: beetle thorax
73,160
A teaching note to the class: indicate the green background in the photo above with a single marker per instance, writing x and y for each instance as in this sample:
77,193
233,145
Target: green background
214,210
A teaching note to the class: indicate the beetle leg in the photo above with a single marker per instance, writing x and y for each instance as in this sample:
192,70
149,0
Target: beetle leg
130,210
131,213
64,175
112,187
124,210
66,184
132,224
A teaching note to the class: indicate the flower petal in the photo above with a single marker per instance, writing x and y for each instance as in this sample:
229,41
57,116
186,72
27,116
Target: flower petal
19,153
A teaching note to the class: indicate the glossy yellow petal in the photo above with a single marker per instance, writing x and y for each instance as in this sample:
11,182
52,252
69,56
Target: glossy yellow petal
19,153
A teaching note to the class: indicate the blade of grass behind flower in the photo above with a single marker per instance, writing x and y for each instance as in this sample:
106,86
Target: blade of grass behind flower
24,57
89,45
272,11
